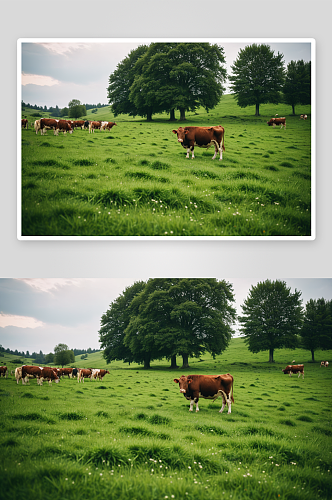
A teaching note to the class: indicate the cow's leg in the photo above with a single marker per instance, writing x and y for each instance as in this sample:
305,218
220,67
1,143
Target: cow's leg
191,405
192,152
188,151
196,403
223,405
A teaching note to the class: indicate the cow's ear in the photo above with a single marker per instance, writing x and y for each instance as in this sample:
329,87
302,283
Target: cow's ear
186,131
174,131
176,380
189,381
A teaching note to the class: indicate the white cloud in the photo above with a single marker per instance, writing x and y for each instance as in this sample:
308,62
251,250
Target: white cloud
47,284
19,321
63,48
41,80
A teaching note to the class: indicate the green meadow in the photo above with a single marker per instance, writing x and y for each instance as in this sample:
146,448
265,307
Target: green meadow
132,436
136,180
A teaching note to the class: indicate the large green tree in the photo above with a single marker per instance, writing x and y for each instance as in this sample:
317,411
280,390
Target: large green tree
181,76
297,87
272,317
114,323
258,76
63,355
76,109
168,76
316,332
183,317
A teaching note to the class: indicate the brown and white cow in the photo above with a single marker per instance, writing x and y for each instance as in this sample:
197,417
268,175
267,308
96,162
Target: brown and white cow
49,374
18,374
82,374
37,127
65,372
100,374
24,123
93,125
294,369
30,371
277,121
78,124
63,126
3,371
324,363
203,137
48,123
303,117
208,387
107,125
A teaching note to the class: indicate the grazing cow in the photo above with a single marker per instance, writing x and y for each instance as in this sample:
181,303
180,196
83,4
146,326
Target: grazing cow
324,363
37,127
93,125
107,125
63,126
30,371
86,124
65,371
303,117
277,121
203,137
294,369
24,123
48,123
75,372
208,387
3,371
100,374
47,374
18,374
78,123
82,374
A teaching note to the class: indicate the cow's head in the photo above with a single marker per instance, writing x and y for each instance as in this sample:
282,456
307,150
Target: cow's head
181,133
183,382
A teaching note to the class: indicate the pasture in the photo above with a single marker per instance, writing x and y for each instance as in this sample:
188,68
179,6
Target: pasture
131,436
136,181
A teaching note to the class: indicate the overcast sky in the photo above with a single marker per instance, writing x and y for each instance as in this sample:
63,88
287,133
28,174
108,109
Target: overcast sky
55,72
38,314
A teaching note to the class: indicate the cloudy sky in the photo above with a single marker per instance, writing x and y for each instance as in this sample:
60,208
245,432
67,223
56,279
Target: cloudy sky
38,314
56,71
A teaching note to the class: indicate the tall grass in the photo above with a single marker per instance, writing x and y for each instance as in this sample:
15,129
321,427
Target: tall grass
136,181
137,439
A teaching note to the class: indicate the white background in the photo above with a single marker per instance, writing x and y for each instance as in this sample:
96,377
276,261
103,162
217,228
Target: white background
152,18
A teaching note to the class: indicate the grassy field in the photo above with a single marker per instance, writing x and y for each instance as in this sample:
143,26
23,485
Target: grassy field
132,436
136,181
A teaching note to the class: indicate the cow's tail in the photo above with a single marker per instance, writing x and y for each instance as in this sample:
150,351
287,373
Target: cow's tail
223,138
232,388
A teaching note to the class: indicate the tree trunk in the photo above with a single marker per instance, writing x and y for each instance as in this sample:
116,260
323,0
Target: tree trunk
172,115
271,356
185,361
147,363
149,116
293,107
173,363
313,356
182,114
257,110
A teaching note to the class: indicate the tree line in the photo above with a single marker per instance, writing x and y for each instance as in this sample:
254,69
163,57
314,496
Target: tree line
70,111
167,318
62,355
164,77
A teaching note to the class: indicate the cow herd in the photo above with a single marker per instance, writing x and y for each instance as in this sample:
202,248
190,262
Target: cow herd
66,125
188,137
191,386
42,373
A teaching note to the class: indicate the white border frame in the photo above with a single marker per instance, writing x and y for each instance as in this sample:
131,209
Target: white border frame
312,41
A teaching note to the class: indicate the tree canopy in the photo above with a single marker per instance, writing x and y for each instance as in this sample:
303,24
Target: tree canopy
168,76
272,317
258,76
63,355
170,317
297,87
316,332
76,109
